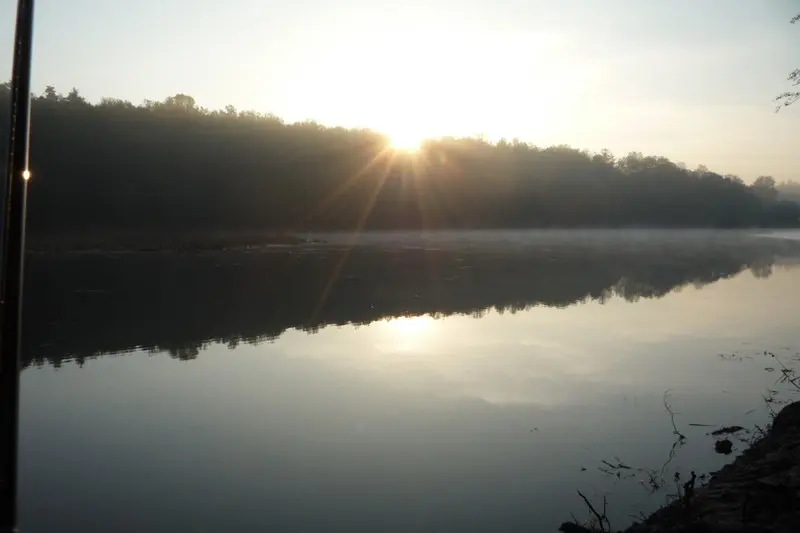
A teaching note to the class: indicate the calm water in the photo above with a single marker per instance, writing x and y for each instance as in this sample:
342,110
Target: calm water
445,382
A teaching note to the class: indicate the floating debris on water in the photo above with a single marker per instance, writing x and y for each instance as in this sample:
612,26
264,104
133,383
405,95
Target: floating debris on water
727,430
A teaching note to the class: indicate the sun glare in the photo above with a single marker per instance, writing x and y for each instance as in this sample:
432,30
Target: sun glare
410,325
426,83
406,334
405,142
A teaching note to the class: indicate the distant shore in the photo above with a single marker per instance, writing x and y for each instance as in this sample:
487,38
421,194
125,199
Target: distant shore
172,165
154,242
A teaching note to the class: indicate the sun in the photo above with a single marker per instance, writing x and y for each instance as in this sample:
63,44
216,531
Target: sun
405,141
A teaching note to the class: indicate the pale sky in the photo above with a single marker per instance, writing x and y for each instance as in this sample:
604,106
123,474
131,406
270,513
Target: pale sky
693,80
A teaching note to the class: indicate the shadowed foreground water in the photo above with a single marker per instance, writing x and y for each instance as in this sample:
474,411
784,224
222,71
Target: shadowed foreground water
452,382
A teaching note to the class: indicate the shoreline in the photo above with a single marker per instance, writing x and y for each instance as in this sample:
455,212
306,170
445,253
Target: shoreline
163,243
114,242
758,493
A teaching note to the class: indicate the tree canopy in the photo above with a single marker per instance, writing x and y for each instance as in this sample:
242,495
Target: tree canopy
173,167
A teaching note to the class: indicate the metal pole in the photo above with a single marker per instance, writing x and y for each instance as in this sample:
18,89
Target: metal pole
13,257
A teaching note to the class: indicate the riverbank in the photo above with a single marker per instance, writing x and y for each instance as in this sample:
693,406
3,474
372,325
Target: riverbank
758,493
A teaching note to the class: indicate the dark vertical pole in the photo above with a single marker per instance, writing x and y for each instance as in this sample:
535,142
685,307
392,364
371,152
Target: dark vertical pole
13,257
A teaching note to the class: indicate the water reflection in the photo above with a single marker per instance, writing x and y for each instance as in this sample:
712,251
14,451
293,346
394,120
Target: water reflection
83,305
401,421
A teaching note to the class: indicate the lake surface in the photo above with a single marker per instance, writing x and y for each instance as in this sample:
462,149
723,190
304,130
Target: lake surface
395,382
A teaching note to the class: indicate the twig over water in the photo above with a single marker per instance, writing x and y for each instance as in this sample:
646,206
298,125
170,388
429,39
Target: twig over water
788,375
602,519
680,435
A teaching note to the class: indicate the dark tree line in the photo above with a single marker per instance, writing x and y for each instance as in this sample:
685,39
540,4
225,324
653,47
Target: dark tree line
82,305
171,168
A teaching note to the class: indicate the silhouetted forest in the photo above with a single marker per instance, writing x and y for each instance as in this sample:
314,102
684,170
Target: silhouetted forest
84,304
172,168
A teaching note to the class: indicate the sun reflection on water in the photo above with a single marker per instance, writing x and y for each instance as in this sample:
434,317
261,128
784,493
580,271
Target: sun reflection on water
406,333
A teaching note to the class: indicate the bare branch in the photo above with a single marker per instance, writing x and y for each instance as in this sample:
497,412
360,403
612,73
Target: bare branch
680,435
788,98
602,519
788,375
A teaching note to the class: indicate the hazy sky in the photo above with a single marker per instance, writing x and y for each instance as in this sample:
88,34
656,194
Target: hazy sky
693,80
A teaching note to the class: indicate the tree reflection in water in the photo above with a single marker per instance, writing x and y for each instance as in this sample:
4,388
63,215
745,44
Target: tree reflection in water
84,305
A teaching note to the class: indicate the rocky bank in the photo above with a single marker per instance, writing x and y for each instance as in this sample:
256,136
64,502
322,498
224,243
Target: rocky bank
758,493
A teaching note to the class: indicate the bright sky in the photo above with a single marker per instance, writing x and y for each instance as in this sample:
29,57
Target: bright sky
693,80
